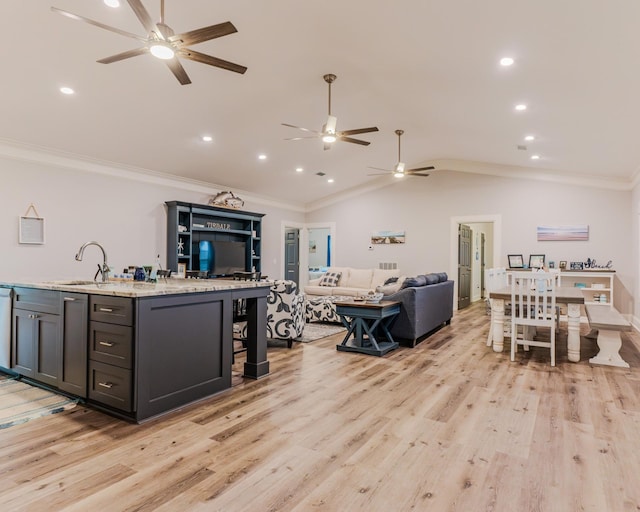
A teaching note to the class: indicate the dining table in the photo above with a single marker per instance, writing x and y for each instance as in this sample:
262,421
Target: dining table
570,296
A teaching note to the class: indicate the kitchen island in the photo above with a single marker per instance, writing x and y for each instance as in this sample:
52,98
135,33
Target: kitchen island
136,350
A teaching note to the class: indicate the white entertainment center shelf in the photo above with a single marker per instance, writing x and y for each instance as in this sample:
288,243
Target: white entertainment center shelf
596,285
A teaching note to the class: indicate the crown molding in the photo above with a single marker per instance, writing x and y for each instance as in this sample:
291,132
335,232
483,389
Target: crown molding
46,156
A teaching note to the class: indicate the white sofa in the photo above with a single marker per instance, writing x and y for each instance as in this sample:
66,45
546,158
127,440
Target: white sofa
352,283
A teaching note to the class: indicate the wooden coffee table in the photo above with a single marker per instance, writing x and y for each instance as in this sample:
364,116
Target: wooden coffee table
360,318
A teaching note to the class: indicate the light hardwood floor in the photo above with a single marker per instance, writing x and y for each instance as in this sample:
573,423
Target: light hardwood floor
448,425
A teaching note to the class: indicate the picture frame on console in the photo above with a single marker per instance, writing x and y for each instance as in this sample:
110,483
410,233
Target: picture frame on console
536,260
515,261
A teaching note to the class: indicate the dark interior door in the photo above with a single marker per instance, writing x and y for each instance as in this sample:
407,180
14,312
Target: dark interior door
292,255
464,266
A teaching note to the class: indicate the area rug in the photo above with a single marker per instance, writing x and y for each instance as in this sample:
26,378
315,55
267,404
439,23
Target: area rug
21,402
315,331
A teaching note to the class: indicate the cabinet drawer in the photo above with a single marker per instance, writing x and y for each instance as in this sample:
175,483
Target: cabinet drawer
115,310
111,344
43,301
110,385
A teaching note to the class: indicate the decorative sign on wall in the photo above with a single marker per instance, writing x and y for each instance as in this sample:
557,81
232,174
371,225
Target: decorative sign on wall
565,233
31,228
388,237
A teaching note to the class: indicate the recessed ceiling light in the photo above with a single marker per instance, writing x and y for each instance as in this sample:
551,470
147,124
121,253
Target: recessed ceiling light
506,61
207,138
299,169
262,157
529,138
67,90
330,180
521,106
535,157
112,3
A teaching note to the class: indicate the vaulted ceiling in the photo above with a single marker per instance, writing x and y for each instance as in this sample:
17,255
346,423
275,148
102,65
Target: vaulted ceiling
430,68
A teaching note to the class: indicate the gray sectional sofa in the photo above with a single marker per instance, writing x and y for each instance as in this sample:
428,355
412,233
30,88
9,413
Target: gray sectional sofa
426,306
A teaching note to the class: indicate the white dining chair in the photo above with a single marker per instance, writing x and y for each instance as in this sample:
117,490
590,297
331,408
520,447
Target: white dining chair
495,279
533,305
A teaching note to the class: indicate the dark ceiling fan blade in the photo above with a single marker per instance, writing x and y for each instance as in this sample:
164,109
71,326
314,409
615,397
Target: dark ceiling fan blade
177,69
187,53
358,130
300,128
143,16
98,24
430,168
355,141
200,35
416,174
124,55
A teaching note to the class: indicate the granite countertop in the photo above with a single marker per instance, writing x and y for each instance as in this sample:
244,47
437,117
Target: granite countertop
140,289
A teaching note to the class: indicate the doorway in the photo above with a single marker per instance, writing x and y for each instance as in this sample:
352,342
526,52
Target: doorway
491,225
322,235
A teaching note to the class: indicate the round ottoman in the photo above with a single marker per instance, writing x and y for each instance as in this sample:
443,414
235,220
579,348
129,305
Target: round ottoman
322,308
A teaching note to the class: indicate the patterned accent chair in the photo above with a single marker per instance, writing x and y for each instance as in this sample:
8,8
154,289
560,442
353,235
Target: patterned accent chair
285,312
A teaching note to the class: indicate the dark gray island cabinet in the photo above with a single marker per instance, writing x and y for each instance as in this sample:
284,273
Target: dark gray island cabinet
137,352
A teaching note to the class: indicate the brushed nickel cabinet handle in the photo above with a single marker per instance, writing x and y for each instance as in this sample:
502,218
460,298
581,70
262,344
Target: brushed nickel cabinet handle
107,385
106,310
69,299
106,343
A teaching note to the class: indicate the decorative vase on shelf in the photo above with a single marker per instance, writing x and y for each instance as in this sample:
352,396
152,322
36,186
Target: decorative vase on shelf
206,256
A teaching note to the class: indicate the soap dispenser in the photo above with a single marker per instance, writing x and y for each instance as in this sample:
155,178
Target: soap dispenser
153,277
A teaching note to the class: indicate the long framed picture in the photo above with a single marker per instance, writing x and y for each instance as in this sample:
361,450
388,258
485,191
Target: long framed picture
578,232
515,261
536,260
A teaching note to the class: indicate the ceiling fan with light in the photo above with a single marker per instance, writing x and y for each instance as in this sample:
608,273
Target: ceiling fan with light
399,170
329,133
163,43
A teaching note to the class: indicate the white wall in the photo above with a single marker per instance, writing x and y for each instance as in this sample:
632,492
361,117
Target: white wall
424,207
126,214
635,249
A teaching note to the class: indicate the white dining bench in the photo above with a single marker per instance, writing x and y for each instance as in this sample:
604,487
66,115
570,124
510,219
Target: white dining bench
609,323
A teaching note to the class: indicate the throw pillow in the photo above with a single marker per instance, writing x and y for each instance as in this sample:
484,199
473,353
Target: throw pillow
432,278
330,279
413,282
391,280
388,289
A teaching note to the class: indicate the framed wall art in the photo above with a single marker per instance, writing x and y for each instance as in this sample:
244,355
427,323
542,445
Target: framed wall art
31,228
578,232
388,237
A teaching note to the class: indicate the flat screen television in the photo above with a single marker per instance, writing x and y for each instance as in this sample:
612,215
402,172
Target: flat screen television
228,257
